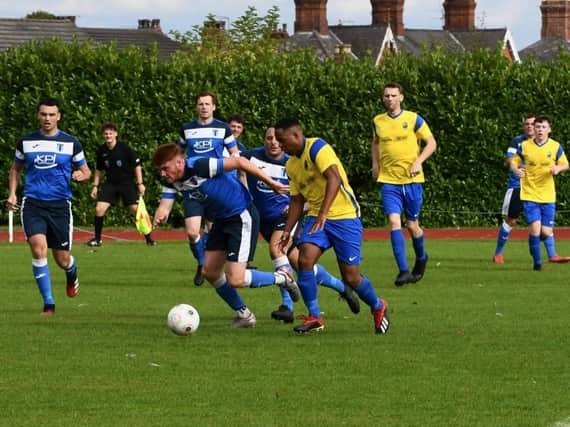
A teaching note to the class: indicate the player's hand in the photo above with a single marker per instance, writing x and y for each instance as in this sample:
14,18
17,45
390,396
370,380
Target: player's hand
283,243
556,170
319,223
159,219
415,169
78,175
279,187
94,192
12,203
141,189
520,172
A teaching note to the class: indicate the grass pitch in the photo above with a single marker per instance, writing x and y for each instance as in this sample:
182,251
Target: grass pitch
473,344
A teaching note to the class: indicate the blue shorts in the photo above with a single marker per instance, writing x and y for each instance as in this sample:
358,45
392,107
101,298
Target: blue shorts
236,235
52,219
402,198
343,235
192,207
543,212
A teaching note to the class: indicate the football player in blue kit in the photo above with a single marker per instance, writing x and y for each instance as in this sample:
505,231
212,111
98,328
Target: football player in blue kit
227,203
205,136
51,159
273,209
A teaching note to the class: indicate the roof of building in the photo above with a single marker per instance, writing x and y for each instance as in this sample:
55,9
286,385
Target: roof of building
364,39
323,44
546,49
14,32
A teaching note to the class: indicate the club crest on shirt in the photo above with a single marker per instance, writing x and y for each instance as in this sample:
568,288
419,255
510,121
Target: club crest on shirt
405,125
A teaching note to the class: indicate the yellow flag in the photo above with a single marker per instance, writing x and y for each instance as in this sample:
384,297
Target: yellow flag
142,219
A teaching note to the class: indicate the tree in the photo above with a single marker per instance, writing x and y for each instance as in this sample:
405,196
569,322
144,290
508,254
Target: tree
40,14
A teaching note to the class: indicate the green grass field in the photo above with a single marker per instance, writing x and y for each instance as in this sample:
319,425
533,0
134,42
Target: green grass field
474,344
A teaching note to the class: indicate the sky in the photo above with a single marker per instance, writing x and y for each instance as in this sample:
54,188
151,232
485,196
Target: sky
521,17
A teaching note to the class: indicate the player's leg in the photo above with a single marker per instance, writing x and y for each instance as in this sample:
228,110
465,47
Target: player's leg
346,238
193,213
271,232
35,229
413,201
547,233
105,198
60,240
392,206
532,212
241,232
311,246
510,210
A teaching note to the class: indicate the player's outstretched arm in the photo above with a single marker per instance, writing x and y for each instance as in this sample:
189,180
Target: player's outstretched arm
162,212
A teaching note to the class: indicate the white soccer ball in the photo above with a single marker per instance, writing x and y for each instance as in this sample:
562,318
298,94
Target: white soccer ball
183,319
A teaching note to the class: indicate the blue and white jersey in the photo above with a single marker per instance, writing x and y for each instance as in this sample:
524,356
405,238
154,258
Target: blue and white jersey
204,179
269,203
199,140
49,162
514,181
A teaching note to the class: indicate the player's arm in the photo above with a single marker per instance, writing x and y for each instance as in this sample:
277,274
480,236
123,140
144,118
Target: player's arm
82,173
429,148
515,164
96,182
163,211
375,154
13,180
561,164
139,180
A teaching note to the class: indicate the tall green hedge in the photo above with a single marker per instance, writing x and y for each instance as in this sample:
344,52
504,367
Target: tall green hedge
474,104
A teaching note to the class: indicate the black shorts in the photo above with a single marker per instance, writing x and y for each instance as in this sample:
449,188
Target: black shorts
236,235
126,191
512,206
52,219
268,227
192,207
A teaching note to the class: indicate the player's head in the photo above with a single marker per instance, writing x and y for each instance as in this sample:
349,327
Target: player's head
290,135
528,124
541,128
272,145
48,115
169,159
392,97
236,125
206,105
109,131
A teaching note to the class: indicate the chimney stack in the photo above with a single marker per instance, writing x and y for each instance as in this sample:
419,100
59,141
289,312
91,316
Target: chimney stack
555,19
155,25
389,12
311,15
144,24
459,15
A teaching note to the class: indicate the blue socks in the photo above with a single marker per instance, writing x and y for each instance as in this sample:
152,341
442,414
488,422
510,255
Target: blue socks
367,294
260,279
549,245
71,271
399,249
534,248
502,238
197,248
43,280
324,278
419,247
308,286
230,296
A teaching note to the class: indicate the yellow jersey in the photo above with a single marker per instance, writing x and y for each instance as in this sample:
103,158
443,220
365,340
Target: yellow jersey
398,146
537,185
306,178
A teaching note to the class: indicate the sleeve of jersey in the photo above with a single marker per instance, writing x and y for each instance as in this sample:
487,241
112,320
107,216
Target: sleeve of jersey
207,167
561,156
322,155
181,141
133,160
422,129
78,155
517,157
229,140
168,192
19,153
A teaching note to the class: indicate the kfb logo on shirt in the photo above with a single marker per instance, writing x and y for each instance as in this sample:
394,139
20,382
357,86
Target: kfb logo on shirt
45,161
202,146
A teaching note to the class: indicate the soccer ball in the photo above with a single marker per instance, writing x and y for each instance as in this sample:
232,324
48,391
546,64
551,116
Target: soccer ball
183,319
